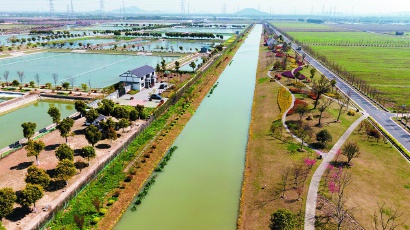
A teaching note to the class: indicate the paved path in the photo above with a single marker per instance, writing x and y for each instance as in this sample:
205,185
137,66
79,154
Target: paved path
311,200
382,117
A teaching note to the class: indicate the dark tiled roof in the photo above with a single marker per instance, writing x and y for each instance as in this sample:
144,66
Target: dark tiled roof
142,71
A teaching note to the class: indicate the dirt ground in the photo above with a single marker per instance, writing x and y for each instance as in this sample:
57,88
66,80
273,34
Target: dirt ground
14,167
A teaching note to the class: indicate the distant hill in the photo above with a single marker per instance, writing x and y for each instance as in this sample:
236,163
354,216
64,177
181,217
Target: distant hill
251,12
130,10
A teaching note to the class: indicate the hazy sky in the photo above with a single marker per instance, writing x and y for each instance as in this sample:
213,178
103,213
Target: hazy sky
215,6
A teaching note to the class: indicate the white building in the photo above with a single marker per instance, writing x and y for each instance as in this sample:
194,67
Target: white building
142,77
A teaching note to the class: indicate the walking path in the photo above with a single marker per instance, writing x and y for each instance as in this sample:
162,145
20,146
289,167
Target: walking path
315,182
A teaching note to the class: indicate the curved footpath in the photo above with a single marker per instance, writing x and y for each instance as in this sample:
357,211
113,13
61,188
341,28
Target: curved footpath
311,199
382,117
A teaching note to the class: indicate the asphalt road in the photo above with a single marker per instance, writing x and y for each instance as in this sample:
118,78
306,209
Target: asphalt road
382,117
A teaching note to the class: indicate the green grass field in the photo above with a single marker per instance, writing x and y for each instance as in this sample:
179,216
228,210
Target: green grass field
300,25
344,38
387,69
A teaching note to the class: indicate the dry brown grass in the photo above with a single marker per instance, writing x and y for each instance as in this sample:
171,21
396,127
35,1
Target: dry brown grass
380,175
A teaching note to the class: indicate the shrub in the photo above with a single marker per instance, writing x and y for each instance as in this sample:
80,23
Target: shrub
298,102
103,211
95,220
350,113
110,202
116,193
146,155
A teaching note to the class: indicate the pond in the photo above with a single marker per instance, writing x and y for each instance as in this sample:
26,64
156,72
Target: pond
201,185
101,69
35,112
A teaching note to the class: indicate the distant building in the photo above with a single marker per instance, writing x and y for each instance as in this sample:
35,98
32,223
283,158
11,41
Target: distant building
139,78
83,23
204,49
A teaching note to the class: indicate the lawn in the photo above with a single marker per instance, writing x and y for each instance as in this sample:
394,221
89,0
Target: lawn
379,175
348,38
383,68
288,26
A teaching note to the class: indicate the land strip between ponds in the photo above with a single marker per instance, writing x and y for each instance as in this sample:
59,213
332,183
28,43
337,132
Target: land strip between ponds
129,193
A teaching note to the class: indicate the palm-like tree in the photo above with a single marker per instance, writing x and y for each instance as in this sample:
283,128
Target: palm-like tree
177,69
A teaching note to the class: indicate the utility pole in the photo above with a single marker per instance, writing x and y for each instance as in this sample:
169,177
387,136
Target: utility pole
51,9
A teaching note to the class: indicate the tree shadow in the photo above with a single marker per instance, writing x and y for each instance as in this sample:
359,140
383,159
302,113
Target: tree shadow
79,132
55,185
103,146
339,164
51,147
77,152
51,172
21,166
18,214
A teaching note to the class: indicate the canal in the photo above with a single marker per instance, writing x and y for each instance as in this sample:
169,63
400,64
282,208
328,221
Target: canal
36,112
200,186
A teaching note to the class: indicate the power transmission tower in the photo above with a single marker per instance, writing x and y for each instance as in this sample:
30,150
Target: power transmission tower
182,7
224,8
72,8
123,9
51,9
102,8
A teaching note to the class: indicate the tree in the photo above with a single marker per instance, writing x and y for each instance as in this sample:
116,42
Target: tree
351,150
282,219
7,199
121,112
320,87
333,83
65,152
65,85
106,107
84,86
343,101
323,137
277,128
55,79
21,76
65,170
30,195
28,129
34,148
55,114
323,105
284,177
93,135
79,221
65,127
303,132
6,76
133,115
112,134
15,83
177,67
37,78
192,65
38,176
340,199
88,152
48,85
91,115
81,107
301,109
123,123
384,218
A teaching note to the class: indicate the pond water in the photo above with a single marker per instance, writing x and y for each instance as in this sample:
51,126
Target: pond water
36,112
200,187
101,69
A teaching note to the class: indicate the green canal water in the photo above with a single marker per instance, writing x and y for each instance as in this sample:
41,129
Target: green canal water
200,186
11,130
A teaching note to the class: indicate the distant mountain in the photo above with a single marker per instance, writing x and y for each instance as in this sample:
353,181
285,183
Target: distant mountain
130,10
251,12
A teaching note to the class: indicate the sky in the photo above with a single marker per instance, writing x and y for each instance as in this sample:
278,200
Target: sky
216,6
